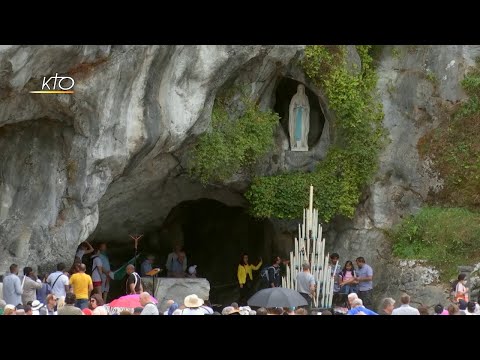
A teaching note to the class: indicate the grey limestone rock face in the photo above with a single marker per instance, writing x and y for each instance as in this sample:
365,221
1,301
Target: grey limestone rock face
416,87
113,156
113,149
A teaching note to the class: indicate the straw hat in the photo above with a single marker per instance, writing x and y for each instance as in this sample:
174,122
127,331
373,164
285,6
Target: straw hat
193,301
229,310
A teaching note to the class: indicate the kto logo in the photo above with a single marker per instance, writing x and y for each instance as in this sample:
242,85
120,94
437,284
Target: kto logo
59,85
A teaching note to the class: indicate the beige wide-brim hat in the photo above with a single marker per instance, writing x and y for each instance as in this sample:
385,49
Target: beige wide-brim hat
36,305
193,301
229,310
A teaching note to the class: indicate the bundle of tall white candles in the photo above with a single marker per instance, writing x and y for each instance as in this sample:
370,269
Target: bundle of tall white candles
310,247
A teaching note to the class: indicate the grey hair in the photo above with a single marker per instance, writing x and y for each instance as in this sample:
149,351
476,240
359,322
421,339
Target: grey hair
305,265
352,296
387,302
357,302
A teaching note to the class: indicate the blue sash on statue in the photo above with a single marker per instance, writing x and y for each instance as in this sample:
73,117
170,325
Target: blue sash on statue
298,123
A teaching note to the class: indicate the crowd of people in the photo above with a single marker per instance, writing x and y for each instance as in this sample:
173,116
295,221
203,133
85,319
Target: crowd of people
353,289
347,279
74,292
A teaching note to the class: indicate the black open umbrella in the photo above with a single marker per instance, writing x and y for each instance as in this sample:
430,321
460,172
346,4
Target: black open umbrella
277,297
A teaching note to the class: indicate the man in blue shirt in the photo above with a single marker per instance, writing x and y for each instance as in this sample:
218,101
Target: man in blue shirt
12,287
365,284
357,307
147,265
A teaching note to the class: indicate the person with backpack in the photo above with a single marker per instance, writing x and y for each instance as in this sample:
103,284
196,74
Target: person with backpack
245,278
134,281
270,275
97,270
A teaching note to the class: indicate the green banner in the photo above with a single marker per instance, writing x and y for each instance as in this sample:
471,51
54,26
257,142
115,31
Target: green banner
120,273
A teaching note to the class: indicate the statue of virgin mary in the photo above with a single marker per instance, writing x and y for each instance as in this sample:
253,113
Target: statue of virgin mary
299,120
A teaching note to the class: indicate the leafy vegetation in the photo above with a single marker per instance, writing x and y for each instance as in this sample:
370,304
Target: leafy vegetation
449,236
445,237
352,159
232,144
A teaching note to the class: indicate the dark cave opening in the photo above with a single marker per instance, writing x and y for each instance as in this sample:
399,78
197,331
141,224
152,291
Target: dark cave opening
213,235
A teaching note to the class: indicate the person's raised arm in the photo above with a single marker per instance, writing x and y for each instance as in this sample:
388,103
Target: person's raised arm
90,248
258,265
36,284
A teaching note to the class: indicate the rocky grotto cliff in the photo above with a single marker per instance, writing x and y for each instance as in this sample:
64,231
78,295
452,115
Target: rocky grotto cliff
112,158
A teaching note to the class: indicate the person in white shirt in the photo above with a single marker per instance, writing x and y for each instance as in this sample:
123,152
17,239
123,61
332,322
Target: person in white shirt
59,282
405,308
193,305
149,308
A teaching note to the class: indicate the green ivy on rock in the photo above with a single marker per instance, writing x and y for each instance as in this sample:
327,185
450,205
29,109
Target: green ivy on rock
232,144
350,162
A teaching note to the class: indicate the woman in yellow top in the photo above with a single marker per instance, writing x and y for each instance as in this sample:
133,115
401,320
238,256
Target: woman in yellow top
245,278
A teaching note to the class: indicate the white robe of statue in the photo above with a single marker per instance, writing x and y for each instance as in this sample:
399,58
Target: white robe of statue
299,120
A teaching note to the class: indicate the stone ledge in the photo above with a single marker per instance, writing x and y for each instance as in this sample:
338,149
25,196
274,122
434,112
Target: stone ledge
176,289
